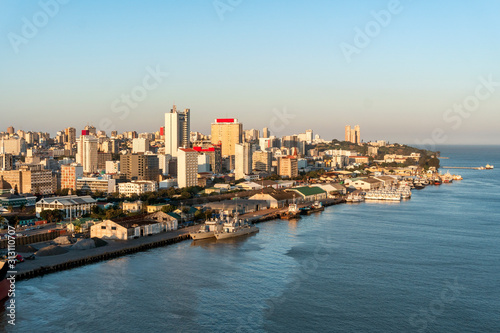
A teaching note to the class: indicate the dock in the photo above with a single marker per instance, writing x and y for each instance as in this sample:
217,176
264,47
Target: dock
75,258
470,168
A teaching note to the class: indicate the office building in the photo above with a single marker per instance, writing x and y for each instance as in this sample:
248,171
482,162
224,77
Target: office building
242,160
140,145
227,133
177,130
187,167
262,161
140,167
288,166
353,135
69,174
87,152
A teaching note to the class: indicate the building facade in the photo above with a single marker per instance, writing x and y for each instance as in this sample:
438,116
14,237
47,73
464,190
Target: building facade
227,133
187,167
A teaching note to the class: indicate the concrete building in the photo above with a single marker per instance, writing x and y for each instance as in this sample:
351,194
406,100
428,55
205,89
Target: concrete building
227,132
91,185
203,163
353,134
140,145
215,155
6,162
71,205
262,161
265,132
112,167
140,167
87,152
366,183
177,131
288,166
242,160
30,179
187,167
14,146
69,174
137,187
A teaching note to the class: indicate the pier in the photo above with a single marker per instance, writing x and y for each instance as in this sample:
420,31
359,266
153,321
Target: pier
76,258
470,168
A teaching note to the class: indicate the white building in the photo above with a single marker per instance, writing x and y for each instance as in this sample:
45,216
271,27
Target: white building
94,184
163,161
140,145
112,167
177,131
128,229
243,160
72,205
137,187
87,152
187,167
203,163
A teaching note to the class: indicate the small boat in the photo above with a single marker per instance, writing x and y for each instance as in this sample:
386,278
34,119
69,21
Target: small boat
489,167
437,181
317,206
292,213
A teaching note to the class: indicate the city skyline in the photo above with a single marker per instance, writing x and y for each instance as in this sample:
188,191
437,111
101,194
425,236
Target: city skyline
224,67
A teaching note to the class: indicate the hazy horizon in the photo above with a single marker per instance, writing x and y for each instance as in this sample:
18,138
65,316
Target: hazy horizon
247,59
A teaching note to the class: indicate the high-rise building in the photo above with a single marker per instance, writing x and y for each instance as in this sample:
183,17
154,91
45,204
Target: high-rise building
265,132
87,152
262,161
353,135
177,130
347,133
10,130
92,130
227,133
187,167
69,174
288,166
251,135
140,167
30,179
215,156
242,160
140,145
309,136
5,162
70,135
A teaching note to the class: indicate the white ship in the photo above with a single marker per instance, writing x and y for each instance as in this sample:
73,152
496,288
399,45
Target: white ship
207,230
235,228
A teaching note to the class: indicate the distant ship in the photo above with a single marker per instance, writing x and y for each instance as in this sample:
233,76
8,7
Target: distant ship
207,230
489,167
235,228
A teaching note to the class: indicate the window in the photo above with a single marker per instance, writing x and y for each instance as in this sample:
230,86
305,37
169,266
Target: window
113,228
103,227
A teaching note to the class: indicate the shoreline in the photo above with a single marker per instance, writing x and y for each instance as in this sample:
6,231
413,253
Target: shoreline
76,258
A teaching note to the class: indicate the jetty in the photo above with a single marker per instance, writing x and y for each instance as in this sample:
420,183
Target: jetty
470,168
114,249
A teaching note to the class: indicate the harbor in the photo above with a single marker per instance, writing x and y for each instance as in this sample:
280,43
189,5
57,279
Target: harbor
114,249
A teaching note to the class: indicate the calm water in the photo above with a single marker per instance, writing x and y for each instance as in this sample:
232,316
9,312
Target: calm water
430,264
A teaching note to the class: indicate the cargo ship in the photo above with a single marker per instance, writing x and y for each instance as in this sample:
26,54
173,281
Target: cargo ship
292,213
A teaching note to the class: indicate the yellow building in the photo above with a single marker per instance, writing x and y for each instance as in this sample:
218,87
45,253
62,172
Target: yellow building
228,133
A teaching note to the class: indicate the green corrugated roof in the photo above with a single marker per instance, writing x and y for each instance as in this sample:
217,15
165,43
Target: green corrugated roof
308,191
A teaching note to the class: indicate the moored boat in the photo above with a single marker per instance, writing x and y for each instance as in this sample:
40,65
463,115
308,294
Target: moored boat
207,230
292,213
489,167
235,228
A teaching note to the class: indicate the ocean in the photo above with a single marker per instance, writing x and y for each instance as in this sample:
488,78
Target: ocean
428,264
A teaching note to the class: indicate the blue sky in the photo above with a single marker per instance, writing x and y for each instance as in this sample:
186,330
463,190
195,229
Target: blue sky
262,56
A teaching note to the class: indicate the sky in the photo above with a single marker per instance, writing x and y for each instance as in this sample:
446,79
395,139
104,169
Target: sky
415,72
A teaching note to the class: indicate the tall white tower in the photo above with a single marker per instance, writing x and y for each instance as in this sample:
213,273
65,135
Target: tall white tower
87,152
